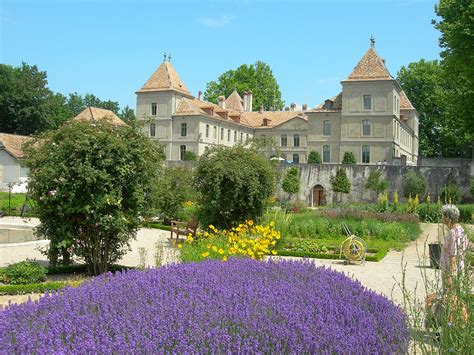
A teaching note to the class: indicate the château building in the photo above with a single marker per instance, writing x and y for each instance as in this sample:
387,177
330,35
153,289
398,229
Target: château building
371,117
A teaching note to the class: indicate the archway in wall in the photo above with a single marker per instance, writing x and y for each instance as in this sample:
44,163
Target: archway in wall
318,196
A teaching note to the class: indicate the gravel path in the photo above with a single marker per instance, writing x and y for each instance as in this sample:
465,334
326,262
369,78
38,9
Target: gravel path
382,277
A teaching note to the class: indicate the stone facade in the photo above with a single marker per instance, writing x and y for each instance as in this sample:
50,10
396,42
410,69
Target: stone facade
371,117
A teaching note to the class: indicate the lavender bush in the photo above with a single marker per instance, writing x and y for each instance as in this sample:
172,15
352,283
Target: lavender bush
237,306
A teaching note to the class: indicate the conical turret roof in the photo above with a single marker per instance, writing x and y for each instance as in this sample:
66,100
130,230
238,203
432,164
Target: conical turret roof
165,78
370,67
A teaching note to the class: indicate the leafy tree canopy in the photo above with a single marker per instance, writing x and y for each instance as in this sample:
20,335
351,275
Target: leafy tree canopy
348,158
340,182
91,183
28,106
234,184
291,182
375,182
414,184
431,92
314,157
256,77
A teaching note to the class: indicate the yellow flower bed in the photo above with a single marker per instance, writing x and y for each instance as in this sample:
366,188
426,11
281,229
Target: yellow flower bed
245,240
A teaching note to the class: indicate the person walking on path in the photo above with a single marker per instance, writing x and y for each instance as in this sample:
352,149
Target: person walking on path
453,252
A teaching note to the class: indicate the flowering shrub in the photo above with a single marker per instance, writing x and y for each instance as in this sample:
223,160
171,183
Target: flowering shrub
245,240
241,306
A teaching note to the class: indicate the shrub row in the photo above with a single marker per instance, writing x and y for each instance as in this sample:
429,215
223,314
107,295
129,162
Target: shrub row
32,288
357,214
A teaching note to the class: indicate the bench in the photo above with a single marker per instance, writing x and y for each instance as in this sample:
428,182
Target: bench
184,228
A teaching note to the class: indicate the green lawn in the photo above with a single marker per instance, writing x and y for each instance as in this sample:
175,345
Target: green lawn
16,201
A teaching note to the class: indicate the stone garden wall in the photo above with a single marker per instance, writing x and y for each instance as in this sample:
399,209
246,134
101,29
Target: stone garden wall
312,175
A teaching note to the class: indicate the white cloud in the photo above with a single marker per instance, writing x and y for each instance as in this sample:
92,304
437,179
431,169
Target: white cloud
215,22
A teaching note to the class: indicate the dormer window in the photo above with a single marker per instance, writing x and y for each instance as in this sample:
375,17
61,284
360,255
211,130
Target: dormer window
328,105
265,121
367,102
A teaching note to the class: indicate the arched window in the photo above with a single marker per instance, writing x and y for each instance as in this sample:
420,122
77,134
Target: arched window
182,151
365,154
152,130
327,128
207,131
222,134
366,127
263,139
235,136
215,132
184,129
228,135
296,140
296,158
326,154
284,140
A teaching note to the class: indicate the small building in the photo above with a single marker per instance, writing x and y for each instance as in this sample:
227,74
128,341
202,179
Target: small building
11,171
94,113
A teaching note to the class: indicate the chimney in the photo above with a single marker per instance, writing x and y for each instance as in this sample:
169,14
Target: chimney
260,110
292,106
199,95
221,100
245,101
249,101
305,107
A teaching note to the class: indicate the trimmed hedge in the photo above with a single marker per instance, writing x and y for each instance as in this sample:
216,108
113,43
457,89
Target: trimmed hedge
156,226
32,288
379,255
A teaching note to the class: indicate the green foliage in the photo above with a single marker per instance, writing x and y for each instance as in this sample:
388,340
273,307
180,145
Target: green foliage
457,40
24,272
234,185
414,184
257,78
92,183
190,156
340,183
349,158
326,229
32,288
466,213
173,189
291,182
451,193
429,212
374,182
378,254
471,187
314,157
28,106
26,103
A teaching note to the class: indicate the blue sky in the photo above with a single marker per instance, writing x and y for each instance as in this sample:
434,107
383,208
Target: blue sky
110,47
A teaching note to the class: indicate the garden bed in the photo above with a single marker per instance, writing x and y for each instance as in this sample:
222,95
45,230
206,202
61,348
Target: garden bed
332,253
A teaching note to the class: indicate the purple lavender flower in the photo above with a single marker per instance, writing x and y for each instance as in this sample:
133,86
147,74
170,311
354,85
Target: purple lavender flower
238,306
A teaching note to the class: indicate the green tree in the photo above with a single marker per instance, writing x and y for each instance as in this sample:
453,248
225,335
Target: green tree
431,92
340,183
26,104
456,25
256,77
234,185
77,103
374,182
291,181
173,189
91,183
414,184
127,114
190,156
314,157
349,158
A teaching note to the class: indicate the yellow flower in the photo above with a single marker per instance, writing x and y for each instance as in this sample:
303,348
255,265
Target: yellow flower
272,224
224,258
221,251
180,246
274,252
214,248
209,246
206,254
